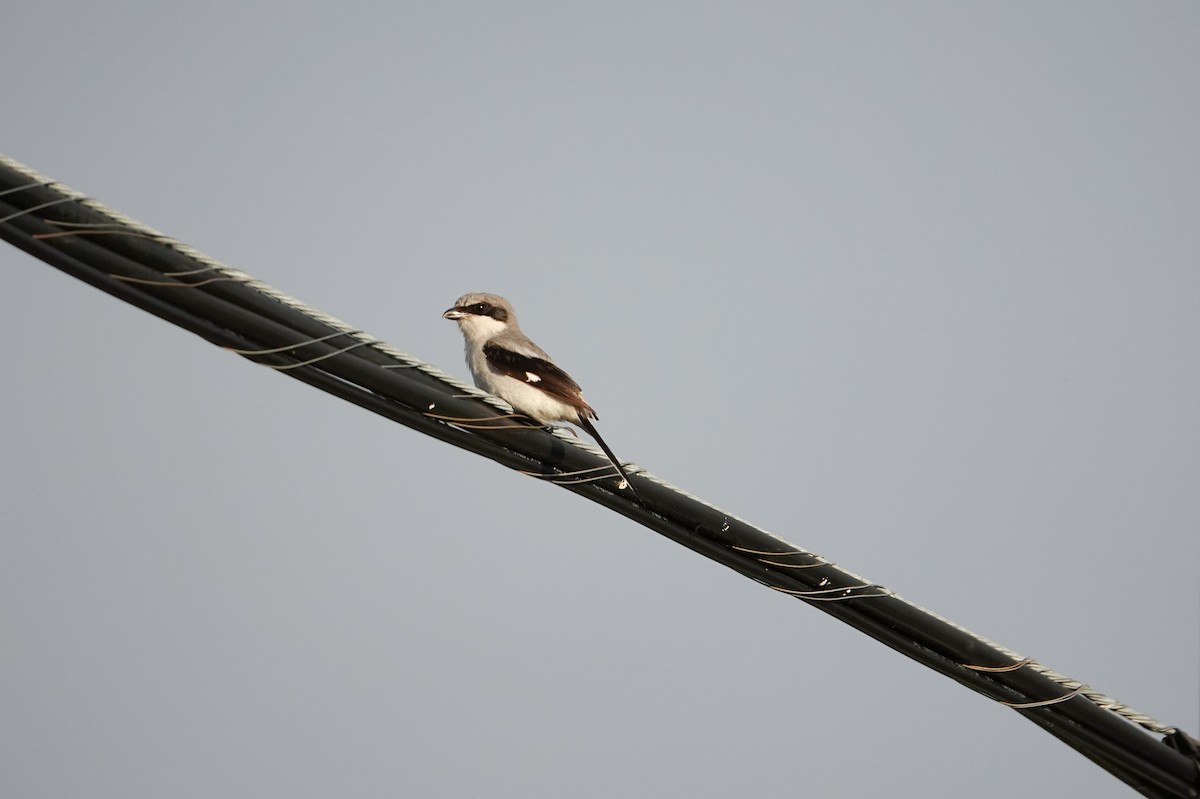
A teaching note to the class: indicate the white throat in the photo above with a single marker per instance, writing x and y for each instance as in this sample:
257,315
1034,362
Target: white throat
478,329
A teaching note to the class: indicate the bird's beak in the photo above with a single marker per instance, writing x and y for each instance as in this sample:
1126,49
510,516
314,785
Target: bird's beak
453,313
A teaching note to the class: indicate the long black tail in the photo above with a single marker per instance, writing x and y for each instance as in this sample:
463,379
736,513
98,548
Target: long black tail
587,425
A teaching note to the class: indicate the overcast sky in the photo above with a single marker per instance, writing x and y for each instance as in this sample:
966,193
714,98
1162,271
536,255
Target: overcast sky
914,286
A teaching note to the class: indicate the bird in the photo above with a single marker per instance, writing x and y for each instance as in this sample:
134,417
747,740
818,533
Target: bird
505,362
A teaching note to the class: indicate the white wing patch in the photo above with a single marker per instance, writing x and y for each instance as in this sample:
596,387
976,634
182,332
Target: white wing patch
530,377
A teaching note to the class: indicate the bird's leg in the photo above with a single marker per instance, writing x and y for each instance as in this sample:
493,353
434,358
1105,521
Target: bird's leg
564,427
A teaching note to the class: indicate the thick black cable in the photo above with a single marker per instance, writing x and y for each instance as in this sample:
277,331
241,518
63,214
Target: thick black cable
159,276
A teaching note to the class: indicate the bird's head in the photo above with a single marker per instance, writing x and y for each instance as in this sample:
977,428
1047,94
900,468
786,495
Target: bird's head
482,316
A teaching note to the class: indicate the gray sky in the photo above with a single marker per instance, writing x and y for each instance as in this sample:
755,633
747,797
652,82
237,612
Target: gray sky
913,286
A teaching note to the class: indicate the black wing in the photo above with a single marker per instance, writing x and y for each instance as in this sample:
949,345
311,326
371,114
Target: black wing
537,372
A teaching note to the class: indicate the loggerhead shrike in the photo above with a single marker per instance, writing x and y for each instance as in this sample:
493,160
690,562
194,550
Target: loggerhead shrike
506,363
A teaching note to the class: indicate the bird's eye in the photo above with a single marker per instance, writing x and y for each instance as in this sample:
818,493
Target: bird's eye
480,308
